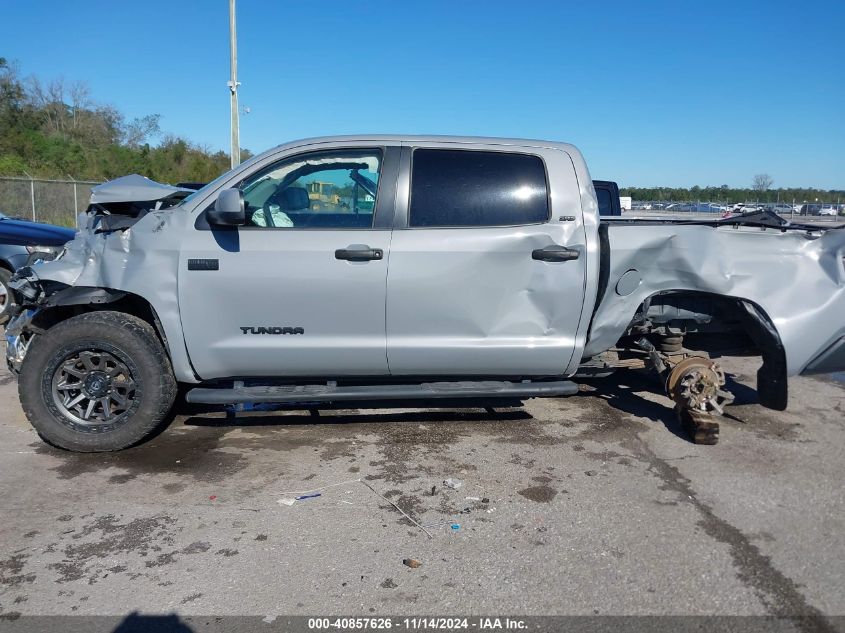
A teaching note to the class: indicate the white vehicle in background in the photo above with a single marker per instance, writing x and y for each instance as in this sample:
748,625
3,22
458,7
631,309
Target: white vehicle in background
828,210
745,208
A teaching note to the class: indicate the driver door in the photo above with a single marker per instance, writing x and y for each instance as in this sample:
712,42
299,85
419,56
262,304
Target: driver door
300,289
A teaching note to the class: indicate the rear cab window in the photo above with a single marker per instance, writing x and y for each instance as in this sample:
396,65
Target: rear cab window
470,188
605,203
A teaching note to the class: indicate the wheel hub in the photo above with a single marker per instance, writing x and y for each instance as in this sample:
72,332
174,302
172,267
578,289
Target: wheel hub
93,387
96,384
695,384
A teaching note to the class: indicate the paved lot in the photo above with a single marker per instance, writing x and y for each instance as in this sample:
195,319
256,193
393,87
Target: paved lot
596,505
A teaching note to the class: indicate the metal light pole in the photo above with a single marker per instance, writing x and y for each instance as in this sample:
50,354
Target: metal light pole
233,84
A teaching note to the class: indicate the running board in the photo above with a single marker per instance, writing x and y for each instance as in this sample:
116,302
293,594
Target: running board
424,391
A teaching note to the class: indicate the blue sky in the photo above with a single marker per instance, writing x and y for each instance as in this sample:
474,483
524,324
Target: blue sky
654,93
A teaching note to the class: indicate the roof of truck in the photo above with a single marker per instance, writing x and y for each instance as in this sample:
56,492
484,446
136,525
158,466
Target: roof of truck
432,138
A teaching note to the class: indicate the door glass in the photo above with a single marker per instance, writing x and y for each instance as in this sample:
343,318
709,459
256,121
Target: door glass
474,188
327,190
605,203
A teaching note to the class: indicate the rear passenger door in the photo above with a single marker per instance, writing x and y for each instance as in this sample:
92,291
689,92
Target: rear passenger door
480,281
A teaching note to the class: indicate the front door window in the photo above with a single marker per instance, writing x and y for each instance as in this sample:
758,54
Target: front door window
328,190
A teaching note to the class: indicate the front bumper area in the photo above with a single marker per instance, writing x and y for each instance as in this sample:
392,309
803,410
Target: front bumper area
18,339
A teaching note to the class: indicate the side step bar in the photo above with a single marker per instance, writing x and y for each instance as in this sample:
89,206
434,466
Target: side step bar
424,391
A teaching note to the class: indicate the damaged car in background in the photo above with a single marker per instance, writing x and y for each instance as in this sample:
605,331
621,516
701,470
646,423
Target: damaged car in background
23,242
381,269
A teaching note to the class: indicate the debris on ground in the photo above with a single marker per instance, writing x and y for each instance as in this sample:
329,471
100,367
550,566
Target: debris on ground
485,500
314,496
312,493
413,563
433,490
456,526
591,473
405,514
453,483
473,498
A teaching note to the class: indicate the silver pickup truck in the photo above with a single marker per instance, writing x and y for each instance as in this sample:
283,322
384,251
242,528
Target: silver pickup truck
427,269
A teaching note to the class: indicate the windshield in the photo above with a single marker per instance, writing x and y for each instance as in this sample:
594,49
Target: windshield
214,183
202,190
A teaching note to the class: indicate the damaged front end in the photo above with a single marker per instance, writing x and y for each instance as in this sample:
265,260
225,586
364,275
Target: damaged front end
18,338
28,294
30,312
122,234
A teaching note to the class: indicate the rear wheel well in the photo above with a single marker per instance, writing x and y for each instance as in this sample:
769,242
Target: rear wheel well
719,325
713,323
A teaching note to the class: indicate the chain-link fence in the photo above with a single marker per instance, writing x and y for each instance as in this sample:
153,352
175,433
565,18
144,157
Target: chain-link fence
43,200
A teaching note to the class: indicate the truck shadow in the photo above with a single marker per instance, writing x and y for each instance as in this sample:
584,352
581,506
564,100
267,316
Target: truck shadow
627,391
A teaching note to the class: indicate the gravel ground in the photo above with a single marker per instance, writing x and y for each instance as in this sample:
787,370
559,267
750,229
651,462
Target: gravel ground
597,504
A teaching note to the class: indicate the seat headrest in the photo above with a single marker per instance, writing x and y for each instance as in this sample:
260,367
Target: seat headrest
293,199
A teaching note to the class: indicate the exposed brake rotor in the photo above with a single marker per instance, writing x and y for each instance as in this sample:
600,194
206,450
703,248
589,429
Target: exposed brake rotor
696,385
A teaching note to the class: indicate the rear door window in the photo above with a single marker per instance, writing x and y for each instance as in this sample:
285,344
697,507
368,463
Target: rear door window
605,203
453,188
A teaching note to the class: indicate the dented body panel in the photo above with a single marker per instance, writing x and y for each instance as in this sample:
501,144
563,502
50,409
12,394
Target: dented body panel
796,278
142,261
454,301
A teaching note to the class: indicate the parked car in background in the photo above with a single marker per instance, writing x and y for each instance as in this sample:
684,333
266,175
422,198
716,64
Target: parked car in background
710,207
828,210
743,207
21,242
696,207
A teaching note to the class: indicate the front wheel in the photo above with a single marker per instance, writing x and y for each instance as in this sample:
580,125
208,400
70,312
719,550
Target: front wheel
99,381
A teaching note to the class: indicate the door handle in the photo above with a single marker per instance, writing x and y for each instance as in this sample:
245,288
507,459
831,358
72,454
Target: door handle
554,253
357,253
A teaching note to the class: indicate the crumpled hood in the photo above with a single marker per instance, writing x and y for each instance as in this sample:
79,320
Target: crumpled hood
135,188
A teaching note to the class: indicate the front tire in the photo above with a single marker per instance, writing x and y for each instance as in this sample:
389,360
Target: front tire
100,381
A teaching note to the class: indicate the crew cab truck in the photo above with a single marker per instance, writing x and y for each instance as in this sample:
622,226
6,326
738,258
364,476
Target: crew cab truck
388,268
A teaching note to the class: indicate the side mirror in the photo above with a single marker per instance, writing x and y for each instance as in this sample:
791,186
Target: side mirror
228,209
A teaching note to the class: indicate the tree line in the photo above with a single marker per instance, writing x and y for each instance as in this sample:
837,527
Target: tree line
733,195
56,129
